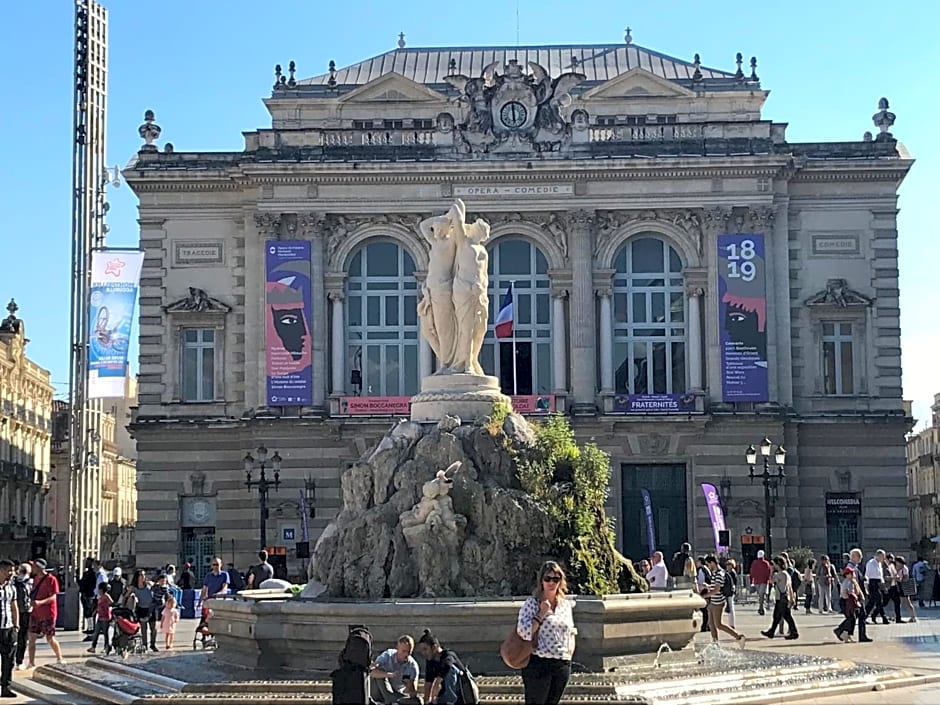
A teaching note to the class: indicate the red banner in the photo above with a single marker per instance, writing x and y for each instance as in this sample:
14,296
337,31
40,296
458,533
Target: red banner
534,403
365,406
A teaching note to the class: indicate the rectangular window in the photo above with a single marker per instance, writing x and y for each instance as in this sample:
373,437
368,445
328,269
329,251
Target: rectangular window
665,119
393,124
636,119
606,120
198,365
362,124
423,124
838,359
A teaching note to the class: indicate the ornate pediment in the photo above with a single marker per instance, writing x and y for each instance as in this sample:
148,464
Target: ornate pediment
638,83
838,294
393,88
198,301
514,110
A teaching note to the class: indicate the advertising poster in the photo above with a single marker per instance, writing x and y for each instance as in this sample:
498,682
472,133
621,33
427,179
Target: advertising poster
742,317
287,310
654,403
715,514
112,298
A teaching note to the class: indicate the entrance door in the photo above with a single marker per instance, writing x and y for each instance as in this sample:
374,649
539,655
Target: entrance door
667,488
523,368
198,547
841,535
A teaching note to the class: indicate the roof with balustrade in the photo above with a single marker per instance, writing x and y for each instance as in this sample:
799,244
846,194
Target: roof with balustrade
599,63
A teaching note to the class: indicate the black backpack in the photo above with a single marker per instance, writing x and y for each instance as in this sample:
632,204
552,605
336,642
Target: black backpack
358,649
469,690
23,602
677,567
728,588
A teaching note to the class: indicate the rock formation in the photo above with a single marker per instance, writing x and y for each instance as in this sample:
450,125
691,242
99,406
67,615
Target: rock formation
407,529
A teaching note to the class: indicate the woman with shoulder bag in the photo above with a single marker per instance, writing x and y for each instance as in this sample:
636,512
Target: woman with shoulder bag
907,587
546,619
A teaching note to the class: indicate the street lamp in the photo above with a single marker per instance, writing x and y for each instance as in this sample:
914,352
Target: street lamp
770,480
724,494
263,483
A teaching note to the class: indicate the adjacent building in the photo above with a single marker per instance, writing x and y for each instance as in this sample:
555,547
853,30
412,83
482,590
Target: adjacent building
25,441
923,485
686,281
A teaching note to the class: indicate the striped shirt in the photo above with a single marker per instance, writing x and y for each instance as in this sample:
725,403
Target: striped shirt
7,605
718,582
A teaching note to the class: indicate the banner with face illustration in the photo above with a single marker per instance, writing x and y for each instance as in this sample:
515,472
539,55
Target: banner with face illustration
742,317
112,297
287,313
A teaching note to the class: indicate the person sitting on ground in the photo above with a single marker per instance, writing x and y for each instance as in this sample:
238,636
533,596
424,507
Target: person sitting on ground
395,674
441,672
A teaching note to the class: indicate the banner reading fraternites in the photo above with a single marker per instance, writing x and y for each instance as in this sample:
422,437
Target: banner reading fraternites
715,514
742,317
112,298
287,312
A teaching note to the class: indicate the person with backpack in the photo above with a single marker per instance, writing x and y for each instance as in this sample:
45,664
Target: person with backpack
731,590
716,593
116,585
760,573
23,584
682,567
395,674
786,600
442,672
703,579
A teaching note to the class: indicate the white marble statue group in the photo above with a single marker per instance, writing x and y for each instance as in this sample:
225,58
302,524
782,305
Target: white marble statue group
455,304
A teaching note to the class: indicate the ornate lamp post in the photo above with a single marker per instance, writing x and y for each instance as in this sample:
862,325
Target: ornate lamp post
263,484
724,494
770,480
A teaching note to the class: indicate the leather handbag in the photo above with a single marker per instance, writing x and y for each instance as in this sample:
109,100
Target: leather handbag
515,651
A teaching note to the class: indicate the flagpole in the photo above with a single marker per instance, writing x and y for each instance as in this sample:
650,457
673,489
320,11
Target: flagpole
515,383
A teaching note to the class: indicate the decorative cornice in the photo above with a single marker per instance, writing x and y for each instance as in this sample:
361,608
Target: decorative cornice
268,224
198,301
837,294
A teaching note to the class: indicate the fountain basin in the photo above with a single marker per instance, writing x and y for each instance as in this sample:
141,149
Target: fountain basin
260,632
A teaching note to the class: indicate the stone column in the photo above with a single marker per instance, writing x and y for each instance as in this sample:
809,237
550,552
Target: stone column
338,341
559,343
583,334
695,338
312,226
606,340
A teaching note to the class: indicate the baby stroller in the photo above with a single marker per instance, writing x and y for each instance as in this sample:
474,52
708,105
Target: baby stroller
203,632
126,639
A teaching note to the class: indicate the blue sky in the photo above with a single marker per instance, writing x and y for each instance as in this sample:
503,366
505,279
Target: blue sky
204,67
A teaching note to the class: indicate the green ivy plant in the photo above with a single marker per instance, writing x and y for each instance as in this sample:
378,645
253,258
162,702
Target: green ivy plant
572,482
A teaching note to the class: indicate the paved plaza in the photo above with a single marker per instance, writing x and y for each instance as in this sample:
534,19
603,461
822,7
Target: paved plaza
913,647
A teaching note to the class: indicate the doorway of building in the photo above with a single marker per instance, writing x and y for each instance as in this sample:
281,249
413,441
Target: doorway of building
666,484
523,368
198,547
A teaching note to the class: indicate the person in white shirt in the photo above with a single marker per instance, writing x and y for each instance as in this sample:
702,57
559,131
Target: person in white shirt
657,575
874,574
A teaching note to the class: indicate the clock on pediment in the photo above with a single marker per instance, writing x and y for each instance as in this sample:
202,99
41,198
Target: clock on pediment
513,114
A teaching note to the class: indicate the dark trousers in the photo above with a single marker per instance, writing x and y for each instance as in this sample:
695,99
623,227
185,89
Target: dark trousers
544,680
875,605
851,619
782,614
21,638
7,651
894,595
101,629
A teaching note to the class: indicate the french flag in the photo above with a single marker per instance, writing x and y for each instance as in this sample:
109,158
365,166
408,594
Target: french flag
504,318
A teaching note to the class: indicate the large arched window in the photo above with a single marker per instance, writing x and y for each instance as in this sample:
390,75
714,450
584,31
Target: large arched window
382,321
649,319
522,264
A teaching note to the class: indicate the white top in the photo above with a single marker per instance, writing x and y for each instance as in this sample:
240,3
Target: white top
556,635
873,570
658,576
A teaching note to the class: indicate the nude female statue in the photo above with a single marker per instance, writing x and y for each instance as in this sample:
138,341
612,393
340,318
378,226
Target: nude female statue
436,308
471,302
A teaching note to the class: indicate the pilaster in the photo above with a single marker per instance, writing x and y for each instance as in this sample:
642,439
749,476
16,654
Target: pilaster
312,226
582,311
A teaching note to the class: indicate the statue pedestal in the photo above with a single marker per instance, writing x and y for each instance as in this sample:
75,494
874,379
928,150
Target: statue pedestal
470,397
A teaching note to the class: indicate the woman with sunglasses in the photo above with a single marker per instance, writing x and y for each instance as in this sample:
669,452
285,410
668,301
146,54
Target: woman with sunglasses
547,621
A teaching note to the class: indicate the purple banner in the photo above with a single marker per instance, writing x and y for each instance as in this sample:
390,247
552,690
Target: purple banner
742,316
287,313
650,528
654,403
715,514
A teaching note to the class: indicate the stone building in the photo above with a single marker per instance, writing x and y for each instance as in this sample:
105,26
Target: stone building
923,485
686,282
108,486
25,433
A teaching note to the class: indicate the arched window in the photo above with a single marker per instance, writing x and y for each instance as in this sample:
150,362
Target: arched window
649,319
382,321
522,264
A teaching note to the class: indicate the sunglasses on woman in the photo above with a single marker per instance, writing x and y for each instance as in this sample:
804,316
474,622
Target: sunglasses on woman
551,578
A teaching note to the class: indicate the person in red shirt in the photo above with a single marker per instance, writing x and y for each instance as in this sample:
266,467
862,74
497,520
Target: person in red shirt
760,573
45,610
